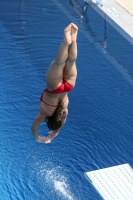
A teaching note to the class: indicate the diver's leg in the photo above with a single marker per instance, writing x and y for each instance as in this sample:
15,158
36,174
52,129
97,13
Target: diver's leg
70,71
55,72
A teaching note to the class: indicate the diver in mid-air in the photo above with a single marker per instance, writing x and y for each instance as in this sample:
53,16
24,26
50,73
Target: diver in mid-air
60,79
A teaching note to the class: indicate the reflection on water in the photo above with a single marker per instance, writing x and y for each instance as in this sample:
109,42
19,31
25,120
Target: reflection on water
82,10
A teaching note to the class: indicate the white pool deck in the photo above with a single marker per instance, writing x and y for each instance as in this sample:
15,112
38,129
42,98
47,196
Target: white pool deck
117,16
113,183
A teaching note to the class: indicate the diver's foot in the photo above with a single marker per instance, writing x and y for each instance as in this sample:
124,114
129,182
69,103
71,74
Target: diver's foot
74,32
67,34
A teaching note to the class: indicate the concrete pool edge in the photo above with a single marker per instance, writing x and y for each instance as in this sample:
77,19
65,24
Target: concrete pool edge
117,16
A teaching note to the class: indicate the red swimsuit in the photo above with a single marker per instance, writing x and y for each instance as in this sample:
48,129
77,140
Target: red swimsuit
64,87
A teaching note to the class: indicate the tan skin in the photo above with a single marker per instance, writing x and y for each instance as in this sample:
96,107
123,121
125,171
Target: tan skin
63,67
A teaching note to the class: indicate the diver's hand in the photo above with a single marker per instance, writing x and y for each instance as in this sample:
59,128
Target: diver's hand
43,140
52,134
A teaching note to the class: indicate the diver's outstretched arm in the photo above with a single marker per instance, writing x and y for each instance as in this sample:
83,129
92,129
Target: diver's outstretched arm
35,126
52,134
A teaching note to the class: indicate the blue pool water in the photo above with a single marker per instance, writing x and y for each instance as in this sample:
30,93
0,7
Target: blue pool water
99,129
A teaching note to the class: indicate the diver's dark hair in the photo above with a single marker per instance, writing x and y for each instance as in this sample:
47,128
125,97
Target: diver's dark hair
54,122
